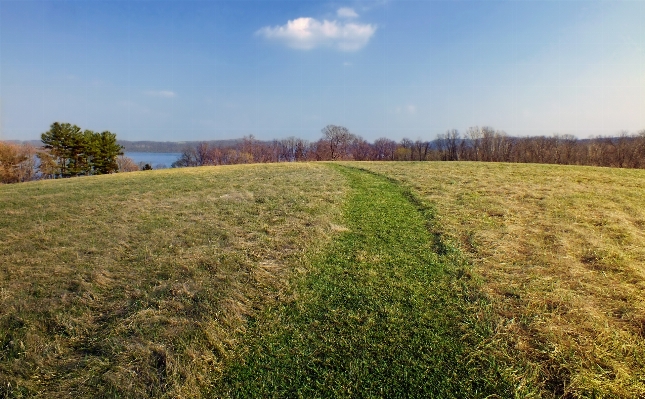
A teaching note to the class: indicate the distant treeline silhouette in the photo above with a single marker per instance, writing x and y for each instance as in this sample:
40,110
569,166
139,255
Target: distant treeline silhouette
24,161
476,144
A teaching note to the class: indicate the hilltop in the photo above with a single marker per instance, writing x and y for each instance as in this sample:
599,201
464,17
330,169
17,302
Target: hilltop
415,278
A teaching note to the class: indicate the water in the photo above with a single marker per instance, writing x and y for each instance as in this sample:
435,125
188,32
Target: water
155,159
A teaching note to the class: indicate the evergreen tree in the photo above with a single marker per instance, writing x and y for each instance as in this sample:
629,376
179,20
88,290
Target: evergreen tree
61,140
107,151
81,152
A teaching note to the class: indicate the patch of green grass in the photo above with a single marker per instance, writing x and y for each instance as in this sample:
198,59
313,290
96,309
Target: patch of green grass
139,284
378,314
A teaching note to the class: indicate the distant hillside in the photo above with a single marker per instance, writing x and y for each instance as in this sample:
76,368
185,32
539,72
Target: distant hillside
152,146
170,146
35,143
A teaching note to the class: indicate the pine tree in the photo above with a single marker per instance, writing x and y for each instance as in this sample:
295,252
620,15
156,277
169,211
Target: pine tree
105,152
60,140
79,152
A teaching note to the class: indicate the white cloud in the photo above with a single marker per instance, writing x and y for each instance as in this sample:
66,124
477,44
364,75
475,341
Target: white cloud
308,33
160,93
346,12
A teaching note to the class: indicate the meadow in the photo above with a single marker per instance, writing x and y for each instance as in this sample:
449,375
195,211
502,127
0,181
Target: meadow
374,279
560,254
138,284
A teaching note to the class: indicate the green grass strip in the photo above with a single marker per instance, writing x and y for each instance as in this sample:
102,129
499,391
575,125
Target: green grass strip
380,314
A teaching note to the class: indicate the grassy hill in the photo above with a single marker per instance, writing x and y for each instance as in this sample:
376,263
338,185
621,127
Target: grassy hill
138,284
560,251
373,279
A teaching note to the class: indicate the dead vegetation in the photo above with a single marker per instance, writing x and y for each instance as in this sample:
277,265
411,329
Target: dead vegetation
138,284
560,253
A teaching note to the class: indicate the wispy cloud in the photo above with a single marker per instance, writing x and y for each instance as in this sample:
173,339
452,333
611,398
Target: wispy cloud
160,93
409,109
346,12
308,33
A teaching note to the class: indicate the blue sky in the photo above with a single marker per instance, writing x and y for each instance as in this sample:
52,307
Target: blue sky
201,70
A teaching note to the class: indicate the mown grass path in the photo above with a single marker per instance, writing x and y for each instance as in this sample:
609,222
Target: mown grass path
378,314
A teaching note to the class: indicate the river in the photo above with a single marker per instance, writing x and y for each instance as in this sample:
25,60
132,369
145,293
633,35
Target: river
155,159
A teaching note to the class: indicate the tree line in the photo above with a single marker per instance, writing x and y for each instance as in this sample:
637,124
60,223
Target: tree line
483,144
68,151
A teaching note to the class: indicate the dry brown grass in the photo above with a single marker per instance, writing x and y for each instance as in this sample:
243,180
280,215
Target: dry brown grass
138,284
561,254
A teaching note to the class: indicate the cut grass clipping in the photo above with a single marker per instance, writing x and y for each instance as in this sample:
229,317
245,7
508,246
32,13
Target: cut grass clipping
379,314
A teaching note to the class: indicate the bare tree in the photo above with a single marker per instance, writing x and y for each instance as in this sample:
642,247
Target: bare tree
11,156
188,157
28,169
126,164
566,148
404,152
624,150
292,149
421,149
474,136
441,147
48,167
338,139
503,147
361,150
204,155
639,149
384,149
452,144
302,150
